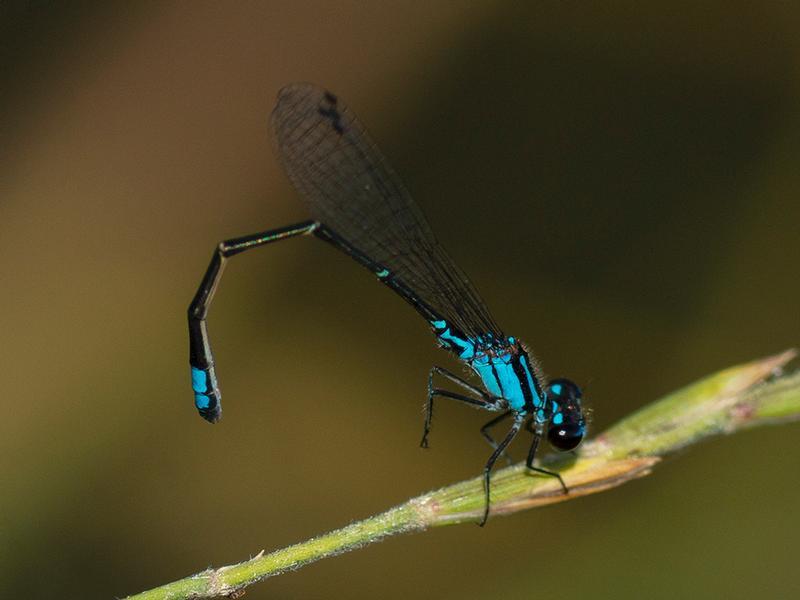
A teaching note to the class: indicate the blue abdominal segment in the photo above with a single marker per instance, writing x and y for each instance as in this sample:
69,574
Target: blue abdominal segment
200,385
463,347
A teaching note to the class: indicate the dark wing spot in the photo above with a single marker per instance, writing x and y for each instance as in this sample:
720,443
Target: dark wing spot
328,110
333,116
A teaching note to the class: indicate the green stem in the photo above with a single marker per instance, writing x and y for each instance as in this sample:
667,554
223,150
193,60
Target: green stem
737,398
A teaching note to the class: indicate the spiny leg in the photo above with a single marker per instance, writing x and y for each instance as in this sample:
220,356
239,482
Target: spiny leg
487,470
537,436
453,396
461,382
490,439
487,401
204,379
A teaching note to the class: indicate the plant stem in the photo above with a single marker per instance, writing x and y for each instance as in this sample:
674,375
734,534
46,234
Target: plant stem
737,398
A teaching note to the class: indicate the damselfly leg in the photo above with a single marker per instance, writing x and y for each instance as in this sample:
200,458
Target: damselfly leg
487,470
536,430
486,401
488,437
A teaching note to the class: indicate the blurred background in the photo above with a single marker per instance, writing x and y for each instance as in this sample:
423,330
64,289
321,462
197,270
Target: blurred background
620,182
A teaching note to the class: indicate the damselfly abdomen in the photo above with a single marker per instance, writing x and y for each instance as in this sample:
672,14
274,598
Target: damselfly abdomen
361,207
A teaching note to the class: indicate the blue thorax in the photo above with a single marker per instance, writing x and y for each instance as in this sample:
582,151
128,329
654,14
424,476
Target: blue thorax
503,366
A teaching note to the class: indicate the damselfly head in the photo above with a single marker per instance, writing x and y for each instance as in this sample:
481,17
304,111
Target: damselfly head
567,425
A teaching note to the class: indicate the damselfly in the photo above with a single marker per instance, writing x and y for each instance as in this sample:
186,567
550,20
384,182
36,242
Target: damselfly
361,207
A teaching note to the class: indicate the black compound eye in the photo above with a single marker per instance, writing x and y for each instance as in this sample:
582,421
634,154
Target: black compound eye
566,436
567,425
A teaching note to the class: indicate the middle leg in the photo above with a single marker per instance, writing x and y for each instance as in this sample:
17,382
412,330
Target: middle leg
487,436
487,470
485,401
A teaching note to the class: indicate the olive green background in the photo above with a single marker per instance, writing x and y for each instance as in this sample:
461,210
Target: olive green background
620,180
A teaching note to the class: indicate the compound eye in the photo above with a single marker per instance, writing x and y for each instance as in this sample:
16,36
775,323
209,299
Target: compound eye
566,436
567,425
563,390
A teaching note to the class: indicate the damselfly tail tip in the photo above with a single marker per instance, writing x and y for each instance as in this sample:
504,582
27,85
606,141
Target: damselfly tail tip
211,415
206,393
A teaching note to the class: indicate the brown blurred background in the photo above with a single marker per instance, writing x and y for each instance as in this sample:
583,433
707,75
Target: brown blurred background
621,183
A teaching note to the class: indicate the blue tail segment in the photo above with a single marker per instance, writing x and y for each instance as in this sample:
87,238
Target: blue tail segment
206,394
204,379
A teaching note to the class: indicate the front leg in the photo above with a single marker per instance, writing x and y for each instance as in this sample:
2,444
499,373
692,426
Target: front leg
486,401
537,436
